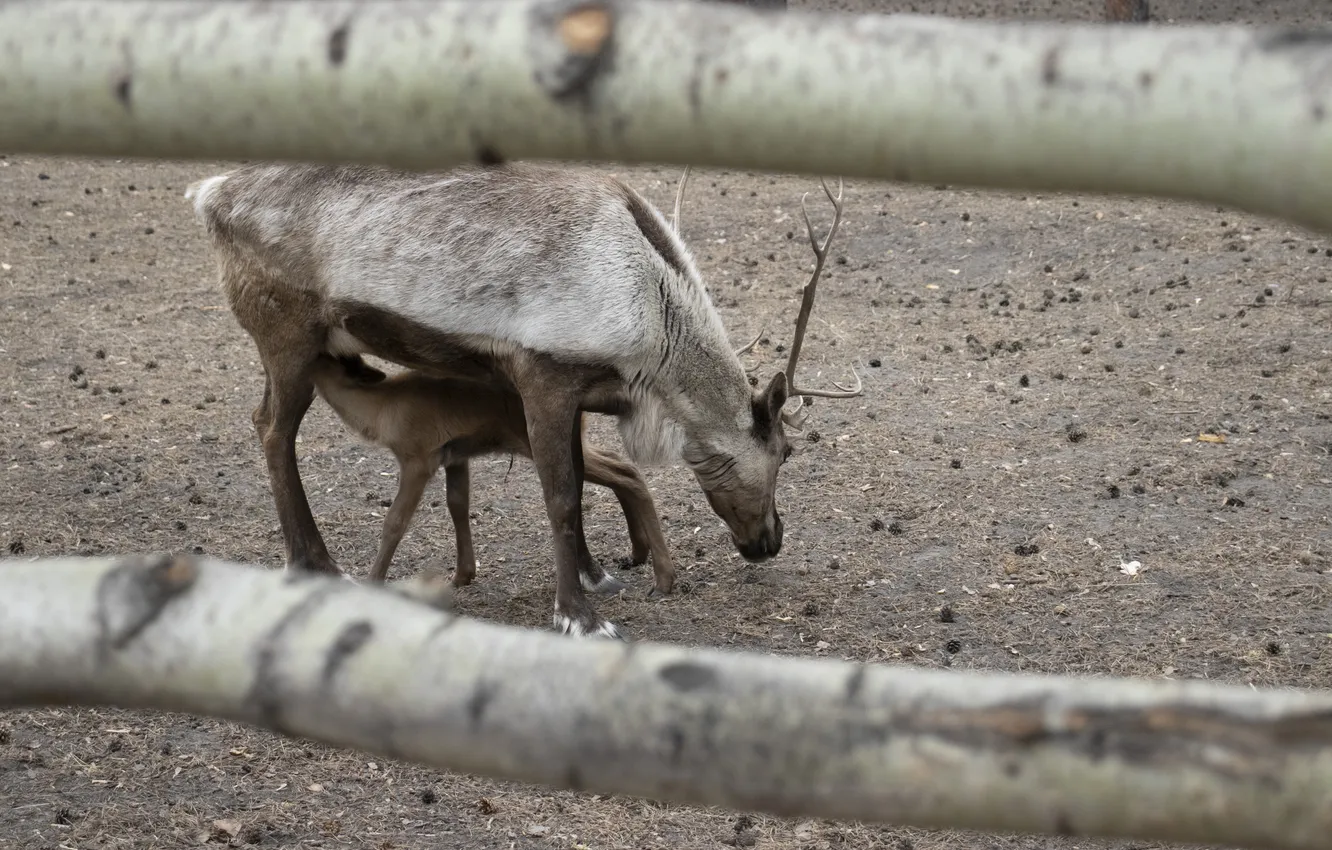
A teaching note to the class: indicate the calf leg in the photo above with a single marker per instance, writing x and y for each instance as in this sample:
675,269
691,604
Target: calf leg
458,492
554,431
413,477
640,512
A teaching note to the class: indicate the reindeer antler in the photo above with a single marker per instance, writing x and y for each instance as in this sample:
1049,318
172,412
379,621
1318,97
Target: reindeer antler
675,225
679,198
807,306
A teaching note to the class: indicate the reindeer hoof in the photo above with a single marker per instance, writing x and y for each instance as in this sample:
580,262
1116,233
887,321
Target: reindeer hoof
566,625
462,578
608,584
313,567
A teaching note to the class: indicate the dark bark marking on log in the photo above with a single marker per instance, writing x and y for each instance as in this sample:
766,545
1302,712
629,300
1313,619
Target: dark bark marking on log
347,644
687,676
1050,67
487,155
582,34
855,683
448,622
134,593
573,778
267,692
1224,743
124,90
1285,39
480,701
675,737
337,44
694,91
1063,826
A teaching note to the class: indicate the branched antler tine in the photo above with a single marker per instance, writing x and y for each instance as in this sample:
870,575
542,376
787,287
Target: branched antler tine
820,256
841,391
749,346
679,199
795,420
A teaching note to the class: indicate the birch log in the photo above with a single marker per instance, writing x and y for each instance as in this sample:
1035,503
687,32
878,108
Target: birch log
1223,114
361,667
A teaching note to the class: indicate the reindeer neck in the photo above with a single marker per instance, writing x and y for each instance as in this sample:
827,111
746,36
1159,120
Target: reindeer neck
700,381
705,386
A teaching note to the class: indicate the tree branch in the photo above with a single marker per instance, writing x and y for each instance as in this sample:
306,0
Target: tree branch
358,666
1227,115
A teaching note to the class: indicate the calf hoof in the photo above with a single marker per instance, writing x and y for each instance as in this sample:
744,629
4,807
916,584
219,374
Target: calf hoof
607,585
428,587
657,592
587,627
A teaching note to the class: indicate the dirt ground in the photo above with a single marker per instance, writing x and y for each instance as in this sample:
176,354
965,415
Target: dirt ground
1039,373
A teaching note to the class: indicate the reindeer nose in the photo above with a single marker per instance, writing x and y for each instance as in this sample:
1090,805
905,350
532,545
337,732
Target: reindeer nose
774,538
766,545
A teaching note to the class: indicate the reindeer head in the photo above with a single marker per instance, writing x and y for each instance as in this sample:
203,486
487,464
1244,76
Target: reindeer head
738,472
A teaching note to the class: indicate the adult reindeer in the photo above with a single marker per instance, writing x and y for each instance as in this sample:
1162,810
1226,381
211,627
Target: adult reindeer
564,284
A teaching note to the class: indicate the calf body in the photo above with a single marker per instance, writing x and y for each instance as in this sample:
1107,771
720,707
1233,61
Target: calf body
429,422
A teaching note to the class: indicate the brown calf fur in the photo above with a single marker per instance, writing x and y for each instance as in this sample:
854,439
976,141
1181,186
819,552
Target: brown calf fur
429,422
1126,11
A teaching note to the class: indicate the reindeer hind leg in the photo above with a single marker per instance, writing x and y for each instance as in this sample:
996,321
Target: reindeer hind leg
288,333
288,393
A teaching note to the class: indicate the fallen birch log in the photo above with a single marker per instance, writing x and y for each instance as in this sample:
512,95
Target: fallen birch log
1223,114
362,667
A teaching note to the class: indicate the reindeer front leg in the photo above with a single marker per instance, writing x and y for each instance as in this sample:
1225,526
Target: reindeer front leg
557,452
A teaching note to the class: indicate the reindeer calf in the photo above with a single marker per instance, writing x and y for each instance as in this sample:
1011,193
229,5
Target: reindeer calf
429,422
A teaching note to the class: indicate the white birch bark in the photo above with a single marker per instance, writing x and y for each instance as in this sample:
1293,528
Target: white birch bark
359,667
1227,115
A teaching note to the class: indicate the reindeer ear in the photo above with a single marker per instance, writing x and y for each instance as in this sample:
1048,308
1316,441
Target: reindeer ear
767,407
774,397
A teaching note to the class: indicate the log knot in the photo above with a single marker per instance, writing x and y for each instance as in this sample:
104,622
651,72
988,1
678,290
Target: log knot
135,592
572,44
